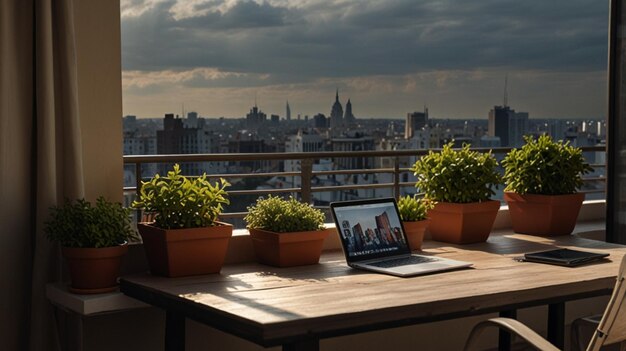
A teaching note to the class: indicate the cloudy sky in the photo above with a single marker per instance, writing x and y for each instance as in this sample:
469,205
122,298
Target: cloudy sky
388,56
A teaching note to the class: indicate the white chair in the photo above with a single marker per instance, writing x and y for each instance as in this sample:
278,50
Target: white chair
612,327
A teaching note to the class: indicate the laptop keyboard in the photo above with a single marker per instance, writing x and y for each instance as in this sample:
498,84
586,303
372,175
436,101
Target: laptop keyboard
404,261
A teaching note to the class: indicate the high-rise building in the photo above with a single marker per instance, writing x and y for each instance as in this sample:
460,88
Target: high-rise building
288,111
508,125
302,142
348,117
518,127
499,124
356,143
192,120
320,121
255,117
336,114
275,119
174,138
415,121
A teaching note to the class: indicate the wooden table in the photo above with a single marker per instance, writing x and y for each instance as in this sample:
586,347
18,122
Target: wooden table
296,307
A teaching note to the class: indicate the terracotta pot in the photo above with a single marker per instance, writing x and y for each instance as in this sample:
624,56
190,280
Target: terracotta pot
184,252
94,271
415,232
462,223
288,249
546,215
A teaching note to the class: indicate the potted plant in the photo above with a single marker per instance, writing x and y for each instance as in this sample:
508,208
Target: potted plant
286,233
413,211
185,238
542,178
461,182
93,240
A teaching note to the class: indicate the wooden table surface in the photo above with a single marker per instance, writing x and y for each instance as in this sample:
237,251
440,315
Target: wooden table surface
273,306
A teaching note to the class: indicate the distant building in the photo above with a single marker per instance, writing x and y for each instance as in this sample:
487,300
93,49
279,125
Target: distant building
192,120
275,119
139,144
255,117
288,111
415,121
348,117
320,121
499,124
557,129
129,123
489,141
508,125
169,139
357,143
251,145
518,127
336,114
174,138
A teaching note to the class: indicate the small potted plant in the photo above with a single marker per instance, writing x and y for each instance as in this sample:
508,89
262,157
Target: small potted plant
93,240
461,183
186,237
542,178
413,211
286,233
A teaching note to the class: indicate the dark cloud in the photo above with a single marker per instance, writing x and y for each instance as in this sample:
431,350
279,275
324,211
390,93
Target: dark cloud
309,40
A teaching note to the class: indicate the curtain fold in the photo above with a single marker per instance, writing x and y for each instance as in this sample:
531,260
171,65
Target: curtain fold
40,159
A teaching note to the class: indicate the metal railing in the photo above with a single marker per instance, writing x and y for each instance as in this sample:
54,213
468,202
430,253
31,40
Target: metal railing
395,160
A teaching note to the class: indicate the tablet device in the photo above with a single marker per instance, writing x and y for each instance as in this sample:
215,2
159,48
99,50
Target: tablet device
564,257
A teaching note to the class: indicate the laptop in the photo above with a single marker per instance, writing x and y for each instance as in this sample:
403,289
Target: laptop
373,239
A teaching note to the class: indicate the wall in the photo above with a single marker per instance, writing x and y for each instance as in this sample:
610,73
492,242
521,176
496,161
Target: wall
100,95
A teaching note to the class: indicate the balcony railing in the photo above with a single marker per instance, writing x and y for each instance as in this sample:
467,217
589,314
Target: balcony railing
394,164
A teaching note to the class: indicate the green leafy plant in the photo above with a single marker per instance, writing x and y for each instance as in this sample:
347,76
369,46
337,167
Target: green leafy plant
413,208
79,224
458,176
279,215
545,167
182,202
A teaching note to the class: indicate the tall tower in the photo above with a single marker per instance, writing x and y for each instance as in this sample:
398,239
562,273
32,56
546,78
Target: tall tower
505,123
348,117
415,121
499,123
288,111
336,113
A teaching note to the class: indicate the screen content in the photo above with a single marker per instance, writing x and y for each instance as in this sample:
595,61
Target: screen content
370,229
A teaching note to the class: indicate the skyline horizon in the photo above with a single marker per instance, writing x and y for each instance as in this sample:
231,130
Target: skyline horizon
294,116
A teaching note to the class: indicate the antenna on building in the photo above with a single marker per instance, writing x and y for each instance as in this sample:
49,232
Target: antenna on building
183,115
506,93
255,105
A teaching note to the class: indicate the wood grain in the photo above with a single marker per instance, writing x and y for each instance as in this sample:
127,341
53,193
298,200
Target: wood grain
271,306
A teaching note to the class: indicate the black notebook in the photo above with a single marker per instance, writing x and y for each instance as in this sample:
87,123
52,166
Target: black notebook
564,257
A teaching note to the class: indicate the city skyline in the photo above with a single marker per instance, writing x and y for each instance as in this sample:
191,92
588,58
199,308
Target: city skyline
388,58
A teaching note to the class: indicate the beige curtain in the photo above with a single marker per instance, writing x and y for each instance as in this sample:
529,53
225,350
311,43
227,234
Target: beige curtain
40,160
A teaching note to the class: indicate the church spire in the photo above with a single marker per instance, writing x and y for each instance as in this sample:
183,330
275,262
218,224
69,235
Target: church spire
337,95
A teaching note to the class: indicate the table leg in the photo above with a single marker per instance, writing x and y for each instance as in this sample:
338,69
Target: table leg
305,345
504,337
174,331
556,324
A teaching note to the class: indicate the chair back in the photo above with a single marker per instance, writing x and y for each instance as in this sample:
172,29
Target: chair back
612,327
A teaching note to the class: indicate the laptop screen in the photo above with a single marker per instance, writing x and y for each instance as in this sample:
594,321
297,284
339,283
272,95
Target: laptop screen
369,229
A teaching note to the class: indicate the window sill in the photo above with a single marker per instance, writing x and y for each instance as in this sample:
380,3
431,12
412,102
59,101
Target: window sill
86,305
